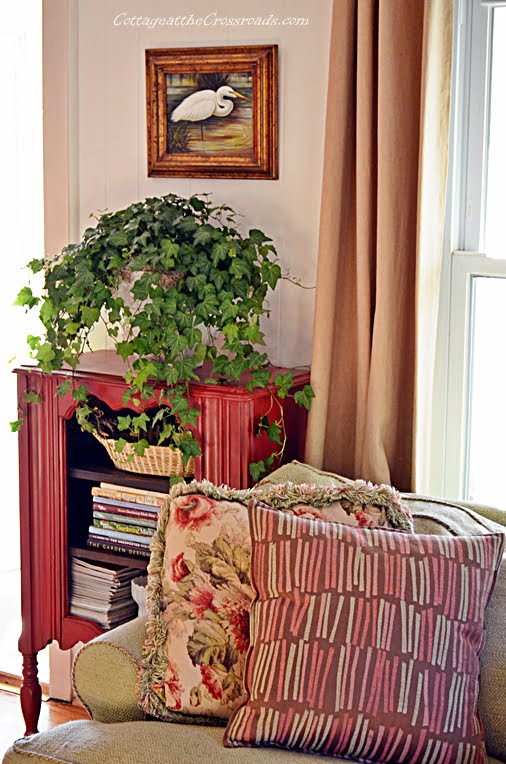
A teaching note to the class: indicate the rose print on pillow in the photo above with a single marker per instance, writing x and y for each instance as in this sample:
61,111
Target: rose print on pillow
199,589
209,595
194,512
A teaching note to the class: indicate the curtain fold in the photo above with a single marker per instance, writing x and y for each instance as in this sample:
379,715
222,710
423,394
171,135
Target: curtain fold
381,233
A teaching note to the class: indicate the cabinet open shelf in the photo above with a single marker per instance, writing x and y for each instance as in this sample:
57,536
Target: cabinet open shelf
99,473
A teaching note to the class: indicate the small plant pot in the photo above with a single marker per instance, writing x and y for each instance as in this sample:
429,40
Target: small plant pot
164,461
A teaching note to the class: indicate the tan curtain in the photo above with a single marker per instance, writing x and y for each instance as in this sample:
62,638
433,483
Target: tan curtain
381,234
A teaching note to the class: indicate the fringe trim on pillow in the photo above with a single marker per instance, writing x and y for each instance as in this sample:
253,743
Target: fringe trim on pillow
282,496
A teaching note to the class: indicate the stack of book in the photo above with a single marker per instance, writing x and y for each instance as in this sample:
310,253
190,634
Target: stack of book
102,592
124,519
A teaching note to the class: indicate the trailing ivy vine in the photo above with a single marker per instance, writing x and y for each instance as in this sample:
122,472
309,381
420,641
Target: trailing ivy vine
175,285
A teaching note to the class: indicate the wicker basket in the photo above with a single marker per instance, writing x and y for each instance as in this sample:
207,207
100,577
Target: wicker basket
164,461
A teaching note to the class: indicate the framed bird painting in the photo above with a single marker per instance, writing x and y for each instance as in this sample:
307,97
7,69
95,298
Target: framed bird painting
212,112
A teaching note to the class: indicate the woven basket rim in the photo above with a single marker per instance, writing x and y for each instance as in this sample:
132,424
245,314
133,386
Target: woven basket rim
114,440
136,464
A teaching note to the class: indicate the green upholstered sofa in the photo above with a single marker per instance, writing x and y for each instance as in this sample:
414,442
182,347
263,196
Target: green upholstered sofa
105,676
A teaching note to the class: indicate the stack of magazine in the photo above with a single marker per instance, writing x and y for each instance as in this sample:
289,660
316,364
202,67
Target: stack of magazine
102,592
124,519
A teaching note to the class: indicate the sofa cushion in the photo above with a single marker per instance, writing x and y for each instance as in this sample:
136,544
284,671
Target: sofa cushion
298,472
371,647
199,590
84,742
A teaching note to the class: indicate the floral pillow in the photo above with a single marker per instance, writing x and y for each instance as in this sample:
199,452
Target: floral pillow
199,588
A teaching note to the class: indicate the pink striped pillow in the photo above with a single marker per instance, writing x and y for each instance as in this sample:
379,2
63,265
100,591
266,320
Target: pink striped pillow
365,643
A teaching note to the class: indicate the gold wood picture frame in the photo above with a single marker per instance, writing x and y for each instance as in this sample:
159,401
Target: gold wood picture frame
212,112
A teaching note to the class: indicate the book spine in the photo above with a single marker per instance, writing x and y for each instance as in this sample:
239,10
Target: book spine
144,492
127,496
107,505
125,518
118,536
134,530
111,546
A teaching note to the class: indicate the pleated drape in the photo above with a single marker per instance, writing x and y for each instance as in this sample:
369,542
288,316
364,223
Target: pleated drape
381,235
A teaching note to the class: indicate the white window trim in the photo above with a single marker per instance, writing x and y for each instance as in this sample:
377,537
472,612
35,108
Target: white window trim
464,239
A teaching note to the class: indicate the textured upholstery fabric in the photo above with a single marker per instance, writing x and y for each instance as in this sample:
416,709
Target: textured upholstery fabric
84,742
298,472
105,672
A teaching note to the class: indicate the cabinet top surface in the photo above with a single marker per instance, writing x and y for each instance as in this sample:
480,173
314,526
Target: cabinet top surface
106,363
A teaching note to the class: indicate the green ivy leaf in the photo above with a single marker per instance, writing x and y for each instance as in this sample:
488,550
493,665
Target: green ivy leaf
45,353
124,422
48,312
32,397
187,445
80,394
258,237
203,235
140,446
284,383
124,349
16,426
120,445
90,316
143,374
200,353
36,265
259,378
63,388
274,432
228,311
271,273
231,332
239,268
140,422
189,417
253,334
26,297
194,336
257,470
118,238
303,397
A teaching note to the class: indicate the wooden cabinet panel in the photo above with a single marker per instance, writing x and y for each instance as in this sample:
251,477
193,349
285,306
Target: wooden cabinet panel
59,464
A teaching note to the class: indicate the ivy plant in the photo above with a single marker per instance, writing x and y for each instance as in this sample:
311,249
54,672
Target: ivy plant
175,284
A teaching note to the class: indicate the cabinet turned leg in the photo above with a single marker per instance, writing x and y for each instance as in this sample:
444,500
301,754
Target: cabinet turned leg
31,694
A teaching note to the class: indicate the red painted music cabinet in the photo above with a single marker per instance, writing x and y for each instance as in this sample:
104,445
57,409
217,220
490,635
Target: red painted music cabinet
59,464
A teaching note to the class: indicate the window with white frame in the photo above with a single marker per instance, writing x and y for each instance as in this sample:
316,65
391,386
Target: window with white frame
475,459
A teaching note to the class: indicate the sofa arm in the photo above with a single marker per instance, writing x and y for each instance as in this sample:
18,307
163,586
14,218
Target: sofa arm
105,672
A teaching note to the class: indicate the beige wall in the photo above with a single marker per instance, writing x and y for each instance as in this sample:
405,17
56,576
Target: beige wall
108,144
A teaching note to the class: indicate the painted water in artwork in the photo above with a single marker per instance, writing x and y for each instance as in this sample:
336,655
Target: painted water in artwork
210,113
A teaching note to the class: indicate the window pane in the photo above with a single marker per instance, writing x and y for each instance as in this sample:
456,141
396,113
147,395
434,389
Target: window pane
487,400
495,238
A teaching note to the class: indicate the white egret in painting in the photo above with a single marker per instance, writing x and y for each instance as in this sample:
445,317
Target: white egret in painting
203,104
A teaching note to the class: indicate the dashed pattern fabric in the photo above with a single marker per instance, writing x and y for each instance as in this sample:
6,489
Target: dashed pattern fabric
364,642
